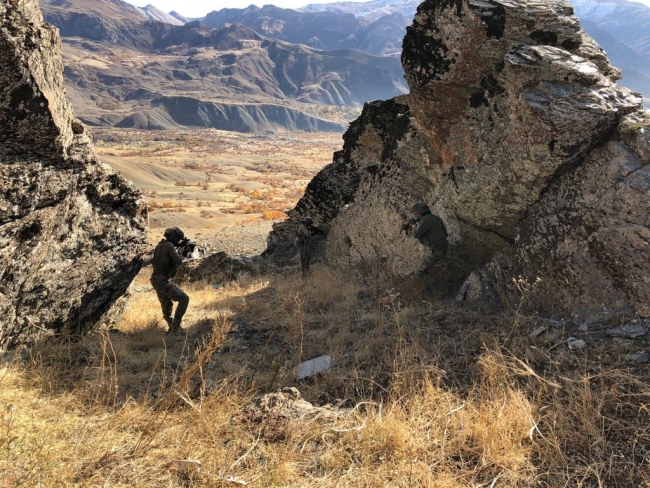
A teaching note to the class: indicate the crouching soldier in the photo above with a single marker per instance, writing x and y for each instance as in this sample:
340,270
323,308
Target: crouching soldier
304,233
430,230
165,262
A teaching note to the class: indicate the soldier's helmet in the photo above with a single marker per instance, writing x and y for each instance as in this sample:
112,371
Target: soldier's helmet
420,208
308,221
174,234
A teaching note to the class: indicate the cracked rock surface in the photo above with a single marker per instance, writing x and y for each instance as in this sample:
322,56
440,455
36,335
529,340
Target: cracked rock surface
516,134
71,229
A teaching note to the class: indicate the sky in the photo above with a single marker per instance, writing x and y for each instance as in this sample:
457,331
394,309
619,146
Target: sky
198,8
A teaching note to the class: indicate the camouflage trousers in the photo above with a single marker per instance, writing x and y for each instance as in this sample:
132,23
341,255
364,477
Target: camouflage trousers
167,294
305,256
429,259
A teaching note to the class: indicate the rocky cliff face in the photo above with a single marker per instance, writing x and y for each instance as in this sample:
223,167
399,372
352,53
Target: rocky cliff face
517,135
70,228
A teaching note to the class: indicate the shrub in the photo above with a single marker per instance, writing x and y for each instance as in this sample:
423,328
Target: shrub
273,215
206,214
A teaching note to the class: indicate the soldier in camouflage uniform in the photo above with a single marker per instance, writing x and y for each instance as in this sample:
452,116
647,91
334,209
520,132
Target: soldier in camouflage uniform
304,232
430,230
165,262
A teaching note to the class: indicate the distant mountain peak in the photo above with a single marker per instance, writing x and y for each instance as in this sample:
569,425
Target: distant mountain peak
152,12
179,17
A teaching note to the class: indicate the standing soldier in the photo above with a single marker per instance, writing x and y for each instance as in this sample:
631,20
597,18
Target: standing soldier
430,230
165,262
304,232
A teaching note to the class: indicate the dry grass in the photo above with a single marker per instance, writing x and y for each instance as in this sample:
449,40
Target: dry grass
425,395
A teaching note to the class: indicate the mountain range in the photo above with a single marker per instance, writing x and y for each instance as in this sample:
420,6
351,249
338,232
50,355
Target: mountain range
123,69
269,69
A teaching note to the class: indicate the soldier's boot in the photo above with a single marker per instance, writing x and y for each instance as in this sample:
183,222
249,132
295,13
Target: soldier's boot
176,326
169,323
427,280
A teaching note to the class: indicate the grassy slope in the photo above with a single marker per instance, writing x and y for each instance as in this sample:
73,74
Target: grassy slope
427,395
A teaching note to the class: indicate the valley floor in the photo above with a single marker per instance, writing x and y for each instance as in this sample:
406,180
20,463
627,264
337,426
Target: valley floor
421,394
224,189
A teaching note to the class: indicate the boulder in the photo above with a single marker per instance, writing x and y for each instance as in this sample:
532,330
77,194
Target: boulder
71,229
517,135
584,248
276,415
217,268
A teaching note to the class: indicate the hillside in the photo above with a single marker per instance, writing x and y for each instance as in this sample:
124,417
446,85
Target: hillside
533,374
421,394
127,71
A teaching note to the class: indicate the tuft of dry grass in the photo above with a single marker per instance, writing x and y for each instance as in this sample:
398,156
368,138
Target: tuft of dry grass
422,394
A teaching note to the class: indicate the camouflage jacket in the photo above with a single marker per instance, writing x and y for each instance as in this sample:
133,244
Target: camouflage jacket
430,231
165,259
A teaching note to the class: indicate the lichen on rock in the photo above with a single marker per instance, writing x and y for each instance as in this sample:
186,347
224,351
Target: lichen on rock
71,229
519,138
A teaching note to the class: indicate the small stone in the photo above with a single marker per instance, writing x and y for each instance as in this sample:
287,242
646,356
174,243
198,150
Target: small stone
583,328
6,356
460,297
555,323
641,357
632,331
537,332
576,344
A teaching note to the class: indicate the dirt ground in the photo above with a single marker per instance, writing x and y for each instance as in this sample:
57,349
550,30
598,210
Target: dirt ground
224,189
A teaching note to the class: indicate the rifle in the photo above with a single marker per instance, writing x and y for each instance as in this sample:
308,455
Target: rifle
186,247
315,231
407,226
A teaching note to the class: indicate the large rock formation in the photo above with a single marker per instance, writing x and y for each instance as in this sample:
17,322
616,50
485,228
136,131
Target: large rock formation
517,135
71,229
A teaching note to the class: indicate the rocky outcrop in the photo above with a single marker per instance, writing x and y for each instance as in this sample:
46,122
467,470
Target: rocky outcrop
517,135
370,141
71,229
217,268
584,248
278,413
